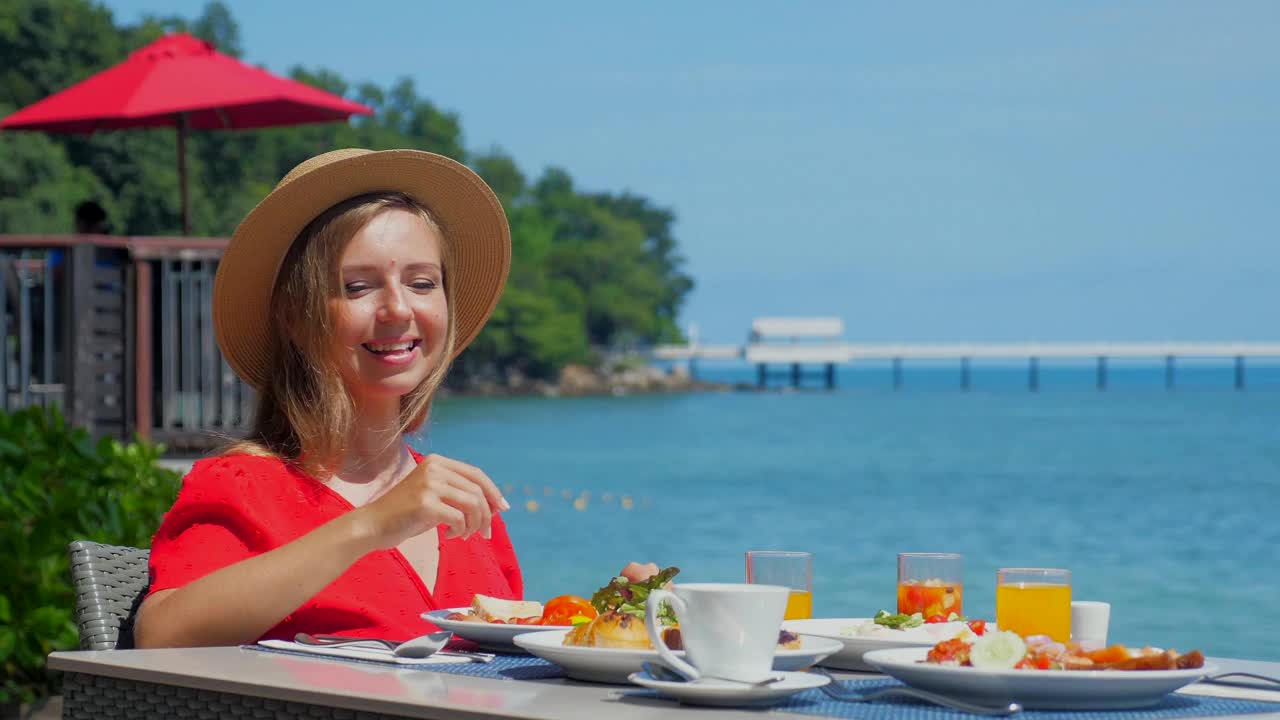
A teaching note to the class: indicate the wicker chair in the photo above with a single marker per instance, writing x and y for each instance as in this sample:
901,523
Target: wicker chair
110,582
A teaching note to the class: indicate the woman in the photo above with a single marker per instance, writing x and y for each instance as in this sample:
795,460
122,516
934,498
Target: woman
342,298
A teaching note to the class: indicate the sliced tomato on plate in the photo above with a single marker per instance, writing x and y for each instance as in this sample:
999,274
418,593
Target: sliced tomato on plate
561,610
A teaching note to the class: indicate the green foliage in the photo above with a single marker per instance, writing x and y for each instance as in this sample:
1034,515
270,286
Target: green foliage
57,486
39,187
591,271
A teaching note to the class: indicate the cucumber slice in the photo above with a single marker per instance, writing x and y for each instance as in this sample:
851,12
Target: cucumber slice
997,651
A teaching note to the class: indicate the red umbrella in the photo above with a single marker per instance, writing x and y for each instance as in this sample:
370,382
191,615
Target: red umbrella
182,81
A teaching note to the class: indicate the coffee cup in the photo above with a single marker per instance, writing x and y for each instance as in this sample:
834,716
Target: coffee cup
729,631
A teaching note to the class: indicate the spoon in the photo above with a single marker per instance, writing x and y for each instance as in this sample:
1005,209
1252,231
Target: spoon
665,674
416,648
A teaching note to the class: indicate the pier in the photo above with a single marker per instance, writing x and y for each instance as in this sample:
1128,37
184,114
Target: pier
798,344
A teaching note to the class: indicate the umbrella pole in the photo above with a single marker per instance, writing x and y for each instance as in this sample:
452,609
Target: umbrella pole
182,172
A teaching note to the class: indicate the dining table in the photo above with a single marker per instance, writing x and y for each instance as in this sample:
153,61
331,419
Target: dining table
247,682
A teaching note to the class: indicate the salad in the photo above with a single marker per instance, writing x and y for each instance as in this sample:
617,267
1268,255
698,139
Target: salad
623,595
887,625
1006,650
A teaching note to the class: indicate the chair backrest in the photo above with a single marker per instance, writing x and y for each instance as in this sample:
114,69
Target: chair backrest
110,582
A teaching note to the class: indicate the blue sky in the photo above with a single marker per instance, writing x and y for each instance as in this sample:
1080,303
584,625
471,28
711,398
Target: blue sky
994,171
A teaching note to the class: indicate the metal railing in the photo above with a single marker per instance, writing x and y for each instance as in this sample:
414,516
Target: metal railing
118,332
30,368
197,389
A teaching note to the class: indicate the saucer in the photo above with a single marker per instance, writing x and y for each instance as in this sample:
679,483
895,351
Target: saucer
727,693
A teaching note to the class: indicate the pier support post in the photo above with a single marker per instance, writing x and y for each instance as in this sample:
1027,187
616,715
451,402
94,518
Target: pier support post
897,373
964,373
795,375
1033,375
1239,372
1169,372
762,377
831,376
1102,372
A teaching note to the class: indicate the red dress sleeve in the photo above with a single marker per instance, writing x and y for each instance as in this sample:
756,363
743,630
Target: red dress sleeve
505,554
499,550
209,526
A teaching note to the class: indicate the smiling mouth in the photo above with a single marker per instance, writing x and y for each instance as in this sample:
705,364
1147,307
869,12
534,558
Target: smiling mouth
391,348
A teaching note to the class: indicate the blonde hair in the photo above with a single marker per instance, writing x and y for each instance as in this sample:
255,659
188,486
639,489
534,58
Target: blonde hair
305,413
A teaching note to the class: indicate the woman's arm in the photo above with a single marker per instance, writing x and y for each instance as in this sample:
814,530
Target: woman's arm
241,602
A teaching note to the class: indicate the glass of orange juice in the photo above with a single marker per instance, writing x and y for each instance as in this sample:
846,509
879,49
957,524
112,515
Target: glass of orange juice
1034,601
789,569
930,584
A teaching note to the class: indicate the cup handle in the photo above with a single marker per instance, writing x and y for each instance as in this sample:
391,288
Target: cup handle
655,600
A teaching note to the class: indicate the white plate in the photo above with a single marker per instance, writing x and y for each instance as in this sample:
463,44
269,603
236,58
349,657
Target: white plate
612,665
491,636
1037,689
726,693
854,646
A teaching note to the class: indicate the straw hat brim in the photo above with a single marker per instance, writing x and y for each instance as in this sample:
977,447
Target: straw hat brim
470,216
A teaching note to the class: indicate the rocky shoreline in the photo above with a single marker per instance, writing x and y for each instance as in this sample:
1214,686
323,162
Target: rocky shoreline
583,381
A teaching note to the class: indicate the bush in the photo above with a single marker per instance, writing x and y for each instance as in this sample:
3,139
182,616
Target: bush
57,486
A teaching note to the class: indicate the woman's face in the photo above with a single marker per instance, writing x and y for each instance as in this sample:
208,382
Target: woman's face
390,315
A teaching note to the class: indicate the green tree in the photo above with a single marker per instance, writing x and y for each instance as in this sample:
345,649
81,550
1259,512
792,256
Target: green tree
217,26
39,187
47,45
502,174
660,249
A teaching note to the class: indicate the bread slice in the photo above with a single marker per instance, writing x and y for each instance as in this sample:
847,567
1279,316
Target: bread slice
490,609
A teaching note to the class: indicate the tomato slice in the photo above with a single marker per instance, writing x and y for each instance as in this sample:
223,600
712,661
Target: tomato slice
979,627
561,610
939,618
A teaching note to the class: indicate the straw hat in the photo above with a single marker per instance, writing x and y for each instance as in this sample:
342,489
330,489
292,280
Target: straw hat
470,217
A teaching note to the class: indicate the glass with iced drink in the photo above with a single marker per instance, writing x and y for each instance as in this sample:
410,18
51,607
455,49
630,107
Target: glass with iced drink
930,584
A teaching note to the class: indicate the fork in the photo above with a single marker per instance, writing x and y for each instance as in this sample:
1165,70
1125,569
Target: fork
837,691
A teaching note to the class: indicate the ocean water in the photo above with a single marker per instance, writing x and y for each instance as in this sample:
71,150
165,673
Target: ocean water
1162,503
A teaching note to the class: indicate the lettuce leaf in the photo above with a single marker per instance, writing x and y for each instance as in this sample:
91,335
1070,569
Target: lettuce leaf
630,597
899,621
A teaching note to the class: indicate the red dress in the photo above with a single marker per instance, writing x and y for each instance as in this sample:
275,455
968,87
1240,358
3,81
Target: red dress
235,507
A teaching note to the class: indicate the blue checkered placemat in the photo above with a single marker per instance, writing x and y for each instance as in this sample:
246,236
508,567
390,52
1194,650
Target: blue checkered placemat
502,667
814,702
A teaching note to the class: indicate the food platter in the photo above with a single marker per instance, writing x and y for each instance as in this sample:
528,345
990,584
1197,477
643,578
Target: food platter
490,636
1036,689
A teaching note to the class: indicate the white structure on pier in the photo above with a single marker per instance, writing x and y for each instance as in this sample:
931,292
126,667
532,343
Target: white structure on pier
794,342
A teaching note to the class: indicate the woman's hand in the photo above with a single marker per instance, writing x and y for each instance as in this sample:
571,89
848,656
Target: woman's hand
439,490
